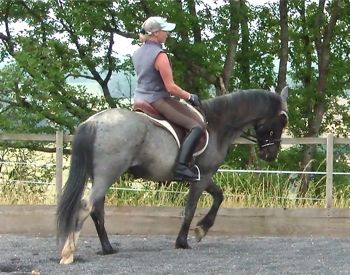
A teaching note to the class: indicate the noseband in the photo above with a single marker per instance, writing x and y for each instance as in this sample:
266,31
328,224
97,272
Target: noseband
261,144
269,143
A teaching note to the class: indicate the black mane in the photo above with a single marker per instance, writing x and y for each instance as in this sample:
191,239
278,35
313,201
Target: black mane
243,106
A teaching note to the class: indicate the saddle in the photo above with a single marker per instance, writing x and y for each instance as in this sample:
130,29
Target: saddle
177,132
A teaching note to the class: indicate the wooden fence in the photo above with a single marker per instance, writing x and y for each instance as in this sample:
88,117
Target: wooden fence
60,139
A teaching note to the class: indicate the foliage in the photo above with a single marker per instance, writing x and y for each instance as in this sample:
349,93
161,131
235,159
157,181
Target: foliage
43,44
305,72
62,39
22,174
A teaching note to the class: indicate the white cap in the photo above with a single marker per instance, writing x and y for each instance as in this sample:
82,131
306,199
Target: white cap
156,23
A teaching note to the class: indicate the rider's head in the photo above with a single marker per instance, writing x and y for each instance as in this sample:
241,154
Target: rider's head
156,28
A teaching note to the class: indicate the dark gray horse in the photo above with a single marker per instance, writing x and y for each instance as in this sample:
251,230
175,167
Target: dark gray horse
115,141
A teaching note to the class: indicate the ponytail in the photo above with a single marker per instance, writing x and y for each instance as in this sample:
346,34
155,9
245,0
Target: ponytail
143,37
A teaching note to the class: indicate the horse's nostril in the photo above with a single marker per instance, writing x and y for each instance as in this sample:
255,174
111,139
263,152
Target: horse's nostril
266,155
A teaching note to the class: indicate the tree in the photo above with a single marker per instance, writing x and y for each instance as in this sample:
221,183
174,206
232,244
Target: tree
75,39
319,32
215,49
55,45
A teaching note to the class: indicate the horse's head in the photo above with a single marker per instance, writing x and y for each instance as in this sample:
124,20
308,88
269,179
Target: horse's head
269,131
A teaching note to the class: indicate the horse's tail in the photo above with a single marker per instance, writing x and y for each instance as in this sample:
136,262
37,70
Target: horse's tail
80,171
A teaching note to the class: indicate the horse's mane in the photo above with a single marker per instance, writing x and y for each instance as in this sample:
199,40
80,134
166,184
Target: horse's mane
243,104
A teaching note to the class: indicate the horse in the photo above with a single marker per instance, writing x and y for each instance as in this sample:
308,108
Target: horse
115,141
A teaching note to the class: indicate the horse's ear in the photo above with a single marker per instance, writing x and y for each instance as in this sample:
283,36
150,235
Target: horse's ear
284,93
284,96
284,118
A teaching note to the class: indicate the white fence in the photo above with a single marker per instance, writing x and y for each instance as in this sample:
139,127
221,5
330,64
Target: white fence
59,139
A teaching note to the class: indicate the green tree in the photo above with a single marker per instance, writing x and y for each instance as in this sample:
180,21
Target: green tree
216,48
60,40
317,56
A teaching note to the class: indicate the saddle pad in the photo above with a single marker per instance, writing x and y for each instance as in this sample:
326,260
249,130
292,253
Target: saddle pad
166,125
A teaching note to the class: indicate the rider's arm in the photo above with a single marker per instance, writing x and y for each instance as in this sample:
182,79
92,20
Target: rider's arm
162,64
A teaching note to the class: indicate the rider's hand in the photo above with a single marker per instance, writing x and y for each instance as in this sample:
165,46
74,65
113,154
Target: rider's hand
194,101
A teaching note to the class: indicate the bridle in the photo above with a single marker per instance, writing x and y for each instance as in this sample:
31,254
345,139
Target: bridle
267,142
261,143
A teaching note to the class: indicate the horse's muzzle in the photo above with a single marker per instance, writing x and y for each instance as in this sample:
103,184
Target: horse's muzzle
268,153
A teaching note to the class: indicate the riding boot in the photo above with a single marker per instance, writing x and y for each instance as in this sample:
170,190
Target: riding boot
182,169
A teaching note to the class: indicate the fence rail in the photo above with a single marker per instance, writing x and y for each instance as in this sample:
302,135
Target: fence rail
60,139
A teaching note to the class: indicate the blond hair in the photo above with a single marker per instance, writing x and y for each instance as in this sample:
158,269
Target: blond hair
143,37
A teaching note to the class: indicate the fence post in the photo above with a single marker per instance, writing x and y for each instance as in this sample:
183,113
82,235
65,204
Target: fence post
59,163
329,171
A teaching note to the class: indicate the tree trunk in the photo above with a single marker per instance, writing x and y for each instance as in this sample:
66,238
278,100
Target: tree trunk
282,71
245,60
322,42
224,83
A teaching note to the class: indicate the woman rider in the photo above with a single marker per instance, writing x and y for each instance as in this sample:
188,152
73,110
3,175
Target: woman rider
155,85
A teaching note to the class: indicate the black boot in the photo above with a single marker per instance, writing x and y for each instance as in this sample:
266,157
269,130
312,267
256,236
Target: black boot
182,169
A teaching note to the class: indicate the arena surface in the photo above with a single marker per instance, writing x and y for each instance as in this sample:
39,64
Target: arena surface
142,254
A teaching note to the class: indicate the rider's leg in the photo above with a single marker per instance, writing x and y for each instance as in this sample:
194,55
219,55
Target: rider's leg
178,113
183,169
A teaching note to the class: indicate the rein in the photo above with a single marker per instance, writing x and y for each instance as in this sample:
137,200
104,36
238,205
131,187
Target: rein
249,137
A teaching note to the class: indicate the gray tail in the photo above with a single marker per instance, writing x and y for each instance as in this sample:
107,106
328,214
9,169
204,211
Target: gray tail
80,171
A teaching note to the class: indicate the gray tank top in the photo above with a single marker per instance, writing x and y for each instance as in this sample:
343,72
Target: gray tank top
150,85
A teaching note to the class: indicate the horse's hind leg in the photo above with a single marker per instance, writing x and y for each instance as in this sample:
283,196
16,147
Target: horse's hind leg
72,239
207,222
97,216
96,195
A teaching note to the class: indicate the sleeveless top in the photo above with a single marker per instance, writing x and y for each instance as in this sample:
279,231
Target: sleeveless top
150,85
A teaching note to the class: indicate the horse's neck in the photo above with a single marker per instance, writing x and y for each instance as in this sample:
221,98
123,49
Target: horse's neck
229,118
234,118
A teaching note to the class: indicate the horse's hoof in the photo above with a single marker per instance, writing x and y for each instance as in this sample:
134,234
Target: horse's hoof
112,251
67,260
182,246
108,251
199,233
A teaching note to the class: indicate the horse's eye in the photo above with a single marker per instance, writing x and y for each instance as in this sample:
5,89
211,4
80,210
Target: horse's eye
271,133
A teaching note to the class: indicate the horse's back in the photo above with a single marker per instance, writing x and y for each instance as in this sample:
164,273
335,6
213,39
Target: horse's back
118,126
112,116
126,137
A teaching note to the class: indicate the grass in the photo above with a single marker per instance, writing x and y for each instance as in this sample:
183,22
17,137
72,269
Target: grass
24,193
24,182
28,177
240,191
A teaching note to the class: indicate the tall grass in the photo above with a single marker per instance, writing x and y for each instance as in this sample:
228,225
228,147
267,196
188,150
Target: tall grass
265,190
27,193
240,190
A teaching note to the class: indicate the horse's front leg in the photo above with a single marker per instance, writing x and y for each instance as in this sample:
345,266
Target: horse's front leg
208,221
196,190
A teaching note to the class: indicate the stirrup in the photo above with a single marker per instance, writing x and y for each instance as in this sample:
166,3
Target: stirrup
182,177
